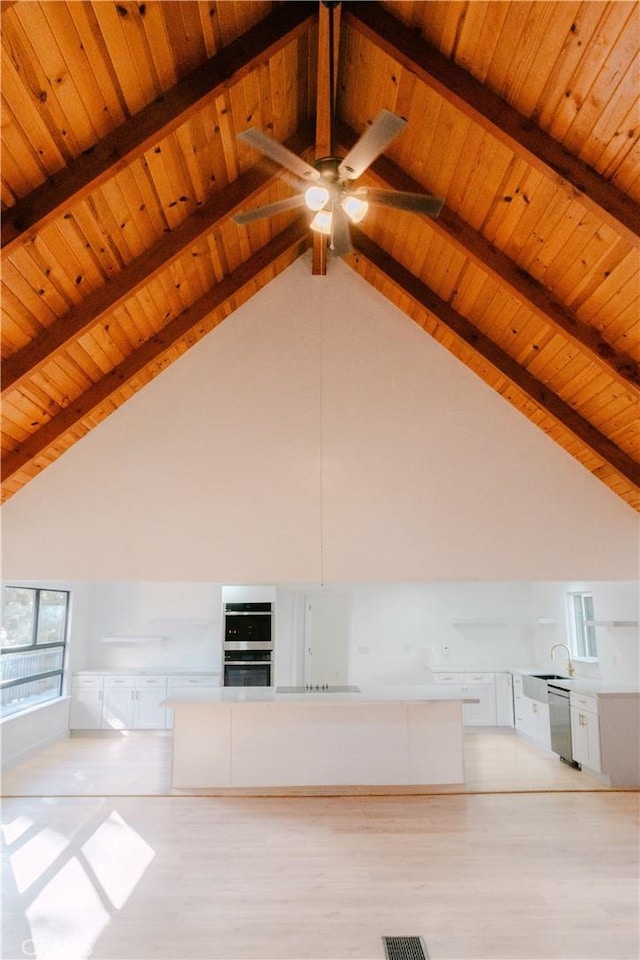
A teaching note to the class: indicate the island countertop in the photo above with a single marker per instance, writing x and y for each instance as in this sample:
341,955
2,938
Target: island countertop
259,737
388,694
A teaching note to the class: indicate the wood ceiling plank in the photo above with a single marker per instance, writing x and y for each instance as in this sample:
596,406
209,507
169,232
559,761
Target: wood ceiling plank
46,156
156,120
614,131
82,64
499,359
597,78
136,274
560,78
495,116
186,329
505,271
622,163
21,174
137,81
553,35
24,301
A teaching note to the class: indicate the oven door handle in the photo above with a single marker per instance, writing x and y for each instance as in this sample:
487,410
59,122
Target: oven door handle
247,663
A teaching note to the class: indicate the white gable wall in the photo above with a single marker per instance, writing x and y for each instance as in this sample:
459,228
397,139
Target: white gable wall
317,434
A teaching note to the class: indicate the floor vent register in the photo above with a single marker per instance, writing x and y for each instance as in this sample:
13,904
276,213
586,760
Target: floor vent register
405,948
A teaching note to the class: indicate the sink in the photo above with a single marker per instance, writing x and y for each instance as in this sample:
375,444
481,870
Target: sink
535,685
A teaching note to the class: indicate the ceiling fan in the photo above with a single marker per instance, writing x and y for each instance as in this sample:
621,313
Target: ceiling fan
326,187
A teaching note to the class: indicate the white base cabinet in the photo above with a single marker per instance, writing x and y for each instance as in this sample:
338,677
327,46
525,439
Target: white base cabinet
480,686
133,703
585,731
531,717
115,701
86,703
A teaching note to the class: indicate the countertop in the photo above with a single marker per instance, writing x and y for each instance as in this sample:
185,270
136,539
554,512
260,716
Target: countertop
391,694
155,672
588,686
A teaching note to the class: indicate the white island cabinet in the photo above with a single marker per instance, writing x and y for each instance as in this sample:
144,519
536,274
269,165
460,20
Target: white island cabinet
257,738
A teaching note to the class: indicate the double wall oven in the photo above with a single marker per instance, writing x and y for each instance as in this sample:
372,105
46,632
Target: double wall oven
248,645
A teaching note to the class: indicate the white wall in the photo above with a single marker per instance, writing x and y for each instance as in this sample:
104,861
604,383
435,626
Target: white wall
30,732
184,618
317,435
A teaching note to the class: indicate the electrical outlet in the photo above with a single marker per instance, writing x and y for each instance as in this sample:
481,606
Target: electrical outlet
445,649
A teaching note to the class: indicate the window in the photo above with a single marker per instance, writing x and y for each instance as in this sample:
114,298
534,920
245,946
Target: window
32,645
581,628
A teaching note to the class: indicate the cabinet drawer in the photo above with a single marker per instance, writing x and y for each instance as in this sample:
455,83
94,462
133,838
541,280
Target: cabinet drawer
81,682
590,704
463,678
210,680
160,682
120,680
517,681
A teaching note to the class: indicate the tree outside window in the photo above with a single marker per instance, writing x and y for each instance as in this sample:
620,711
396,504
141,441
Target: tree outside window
32,646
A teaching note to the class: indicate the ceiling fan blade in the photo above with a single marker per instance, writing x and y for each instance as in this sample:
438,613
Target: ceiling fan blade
268,210
374,141
340,236
400,200
278,152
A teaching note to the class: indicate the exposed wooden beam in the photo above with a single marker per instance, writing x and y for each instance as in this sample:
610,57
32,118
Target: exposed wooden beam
156,120
189,327
522,285
328,34
23,364
496,116
426,300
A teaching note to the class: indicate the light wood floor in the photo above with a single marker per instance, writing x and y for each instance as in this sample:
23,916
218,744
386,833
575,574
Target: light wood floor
111,874
496,759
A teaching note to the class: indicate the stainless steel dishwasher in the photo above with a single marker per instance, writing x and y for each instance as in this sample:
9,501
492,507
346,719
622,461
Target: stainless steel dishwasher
560,721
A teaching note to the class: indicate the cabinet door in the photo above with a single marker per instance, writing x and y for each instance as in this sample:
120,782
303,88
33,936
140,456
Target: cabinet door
484,712
533,721
118,709
504,700
585,738
86,709
148,714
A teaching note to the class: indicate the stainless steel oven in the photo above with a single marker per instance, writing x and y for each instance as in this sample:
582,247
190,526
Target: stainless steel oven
247,668
248,645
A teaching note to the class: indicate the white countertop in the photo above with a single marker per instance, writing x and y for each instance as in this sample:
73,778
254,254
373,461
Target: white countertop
588,686
155,672
390,694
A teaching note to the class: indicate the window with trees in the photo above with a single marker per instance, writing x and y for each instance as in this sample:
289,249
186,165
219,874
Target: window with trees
32,646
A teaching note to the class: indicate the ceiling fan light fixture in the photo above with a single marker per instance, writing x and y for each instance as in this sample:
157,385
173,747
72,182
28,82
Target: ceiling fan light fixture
316,197
322,222
355,208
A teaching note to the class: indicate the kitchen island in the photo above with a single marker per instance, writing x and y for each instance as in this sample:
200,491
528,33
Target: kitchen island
258,737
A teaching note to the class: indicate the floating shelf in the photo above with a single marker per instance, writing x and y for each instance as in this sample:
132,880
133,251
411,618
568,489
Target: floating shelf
131,639
611,623
479,622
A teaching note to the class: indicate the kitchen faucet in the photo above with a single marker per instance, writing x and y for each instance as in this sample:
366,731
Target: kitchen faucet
570,667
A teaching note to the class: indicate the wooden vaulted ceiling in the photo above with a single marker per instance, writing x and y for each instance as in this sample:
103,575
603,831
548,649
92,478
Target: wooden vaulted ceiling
121,170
